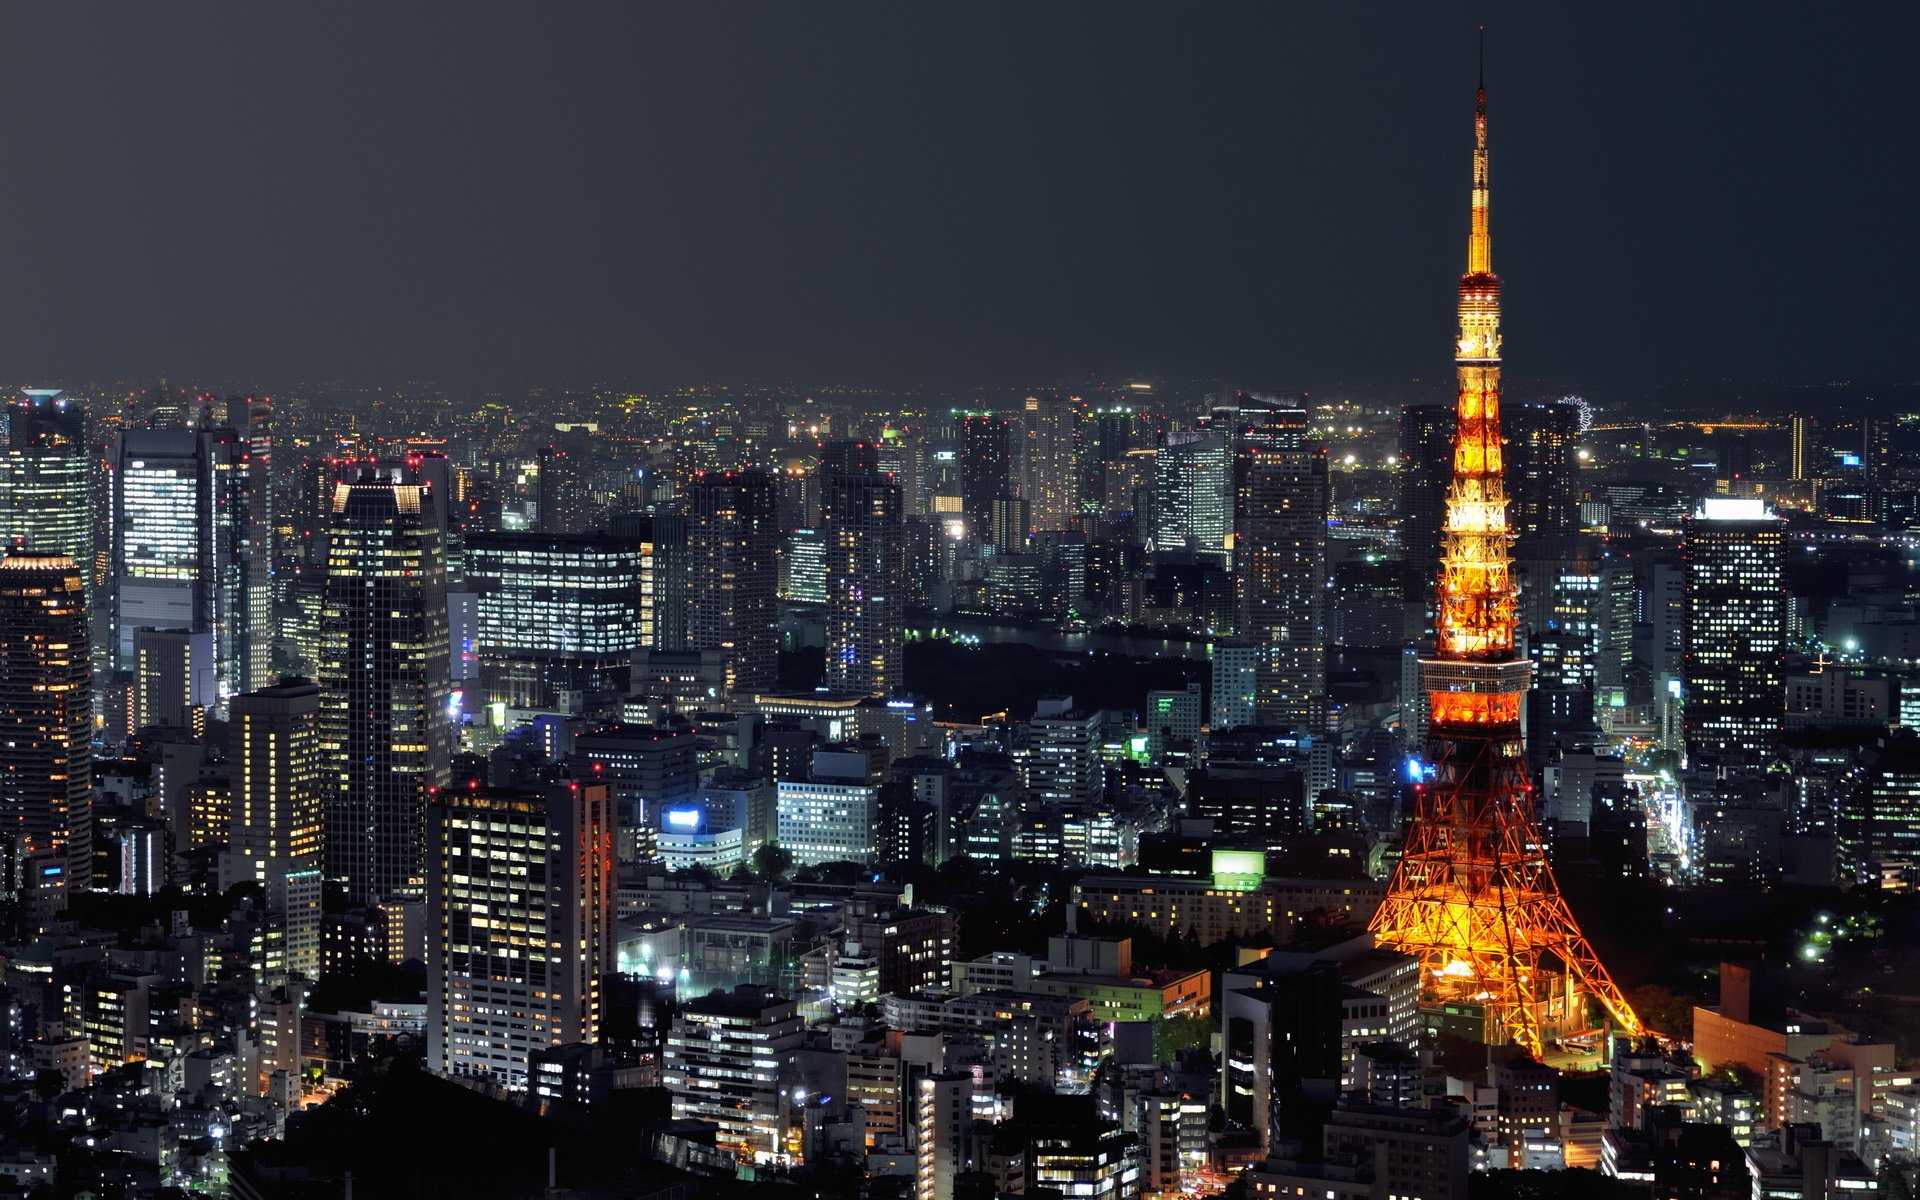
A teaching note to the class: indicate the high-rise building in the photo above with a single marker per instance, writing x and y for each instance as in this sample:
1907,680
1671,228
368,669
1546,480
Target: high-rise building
192,547
558,616
1800,447
1877,822
942,1127
1543,488
1734,688
520,910
986,468
46,477
173,683
385,728
1193,498
1426,469
1236,684
1009,526
734,541
1053,477
866,564
1876,447
46,725
726,1058
1280,563
251,420
1473,898
277,811
803,567
561,504
665,576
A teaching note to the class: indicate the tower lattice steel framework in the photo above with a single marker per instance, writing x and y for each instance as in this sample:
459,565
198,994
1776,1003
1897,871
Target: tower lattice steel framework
1474,898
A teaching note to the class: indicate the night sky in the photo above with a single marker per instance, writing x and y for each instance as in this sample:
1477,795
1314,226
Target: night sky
950,194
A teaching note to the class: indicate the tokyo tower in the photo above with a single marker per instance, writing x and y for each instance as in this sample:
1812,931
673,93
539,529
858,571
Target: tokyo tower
1473,897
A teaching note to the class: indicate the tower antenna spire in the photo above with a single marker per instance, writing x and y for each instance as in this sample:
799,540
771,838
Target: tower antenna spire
1474,897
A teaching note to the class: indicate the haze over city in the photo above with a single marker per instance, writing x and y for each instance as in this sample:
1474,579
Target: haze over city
952,196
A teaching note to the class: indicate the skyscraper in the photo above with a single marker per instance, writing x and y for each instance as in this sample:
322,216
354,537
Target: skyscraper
559,615
46,477
385,729
1193,498
734,541
190,547
1800,447
1541,473
1052,473
986,468
561,504
866,564
1280,563
278,811
1473,897
46,725
1426,469
666,574
520,915
1734,691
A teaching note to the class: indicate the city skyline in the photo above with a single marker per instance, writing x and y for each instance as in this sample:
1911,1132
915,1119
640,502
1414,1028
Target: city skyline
1164,786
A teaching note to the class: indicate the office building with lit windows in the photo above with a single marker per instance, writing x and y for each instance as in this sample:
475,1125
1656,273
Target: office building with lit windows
46,477
277,813
385,725
520,913
1734,684
191,547
726,1057
1193,498
558,616
46,725
827,820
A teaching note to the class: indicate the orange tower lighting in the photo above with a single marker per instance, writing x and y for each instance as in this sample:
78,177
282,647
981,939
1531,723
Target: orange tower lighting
1473,897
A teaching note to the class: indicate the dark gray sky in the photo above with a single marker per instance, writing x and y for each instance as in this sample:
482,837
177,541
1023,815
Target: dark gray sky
949,193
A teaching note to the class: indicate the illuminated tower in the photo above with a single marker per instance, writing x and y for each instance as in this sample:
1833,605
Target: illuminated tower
1473,897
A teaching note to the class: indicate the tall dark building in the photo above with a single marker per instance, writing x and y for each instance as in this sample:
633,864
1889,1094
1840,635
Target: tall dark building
1734,698
1543,495
666,574
734,539
561,504
1280,560
1426,469
866,568
385,729
46,723
986,468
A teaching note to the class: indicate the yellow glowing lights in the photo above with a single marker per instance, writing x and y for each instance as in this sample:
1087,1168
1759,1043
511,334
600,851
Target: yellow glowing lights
1473,897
